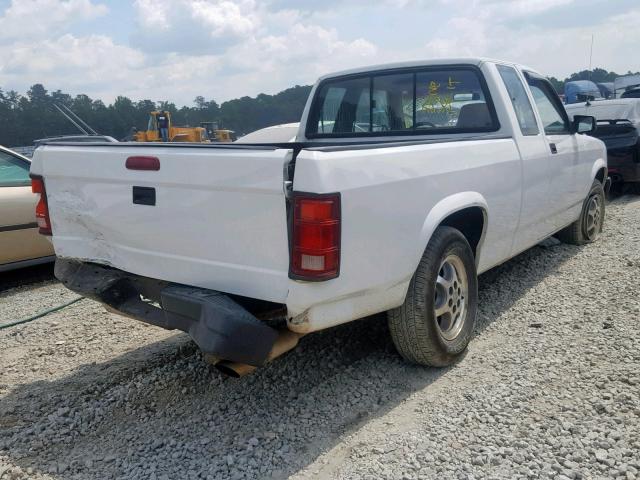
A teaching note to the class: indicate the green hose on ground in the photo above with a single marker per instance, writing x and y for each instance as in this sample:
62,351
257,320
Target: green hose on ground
40,315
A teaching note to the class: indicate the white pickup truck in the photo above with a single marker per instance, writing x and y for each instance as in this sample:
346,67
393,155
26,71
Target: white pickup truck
404,183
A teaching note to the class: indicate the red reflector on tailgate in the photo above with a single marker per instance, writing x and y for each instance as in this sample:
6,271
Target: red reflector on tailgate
143,163
315,252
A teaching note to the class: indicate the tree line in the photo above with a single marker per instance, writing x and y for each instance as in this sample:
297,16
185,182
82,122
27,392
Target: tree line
28,117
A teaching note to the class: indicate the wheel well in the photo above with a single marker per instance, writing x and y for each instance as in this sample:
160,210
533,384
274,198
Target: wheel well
470,222
601,174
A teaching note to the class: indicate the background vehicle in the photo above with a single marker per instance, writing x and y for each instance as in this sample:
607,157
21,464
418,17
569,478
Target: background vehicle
276,133
627,86
20,244
176,134
607,90
206,132
75,138
581,91
217,134
619,128
391,199
631,93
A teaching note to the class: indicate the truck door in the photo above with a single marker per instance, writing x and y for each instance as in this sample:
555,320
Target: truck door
534,222
564,194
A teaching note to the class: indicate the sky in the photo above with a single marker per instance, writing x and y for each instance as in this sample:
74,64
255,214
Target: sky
176,50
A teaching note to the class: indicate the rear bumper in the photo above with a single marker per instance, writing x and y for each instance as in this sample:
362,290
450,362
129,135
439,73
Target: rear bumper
217,324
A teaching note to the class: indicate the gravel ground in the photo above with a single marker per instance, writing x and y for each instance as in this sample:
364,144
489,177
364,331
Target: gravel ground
549,388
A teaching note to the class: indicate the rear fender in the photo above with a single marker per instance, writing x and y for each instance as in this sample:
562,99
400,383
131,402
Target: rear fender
597,165
446,207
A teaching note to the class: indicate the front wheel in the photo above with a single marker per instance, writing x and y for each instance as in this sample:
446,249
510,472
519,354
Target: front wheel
588,227
434,325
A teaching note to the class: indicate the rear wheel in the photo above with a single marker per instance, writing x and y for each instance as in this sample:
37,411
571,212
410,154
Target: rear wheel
435,323
588,227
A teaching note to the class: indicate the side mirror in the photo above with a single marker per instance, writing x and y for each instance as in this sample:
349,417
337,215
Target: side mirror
584,124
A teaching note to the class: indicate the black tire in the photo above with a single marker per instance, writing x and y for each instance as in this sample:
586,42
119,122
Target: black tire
588,227
418,333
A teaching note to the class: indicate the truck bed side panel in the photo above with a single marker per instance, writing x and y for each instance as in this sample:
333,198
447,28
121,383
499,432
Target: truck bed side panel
387,194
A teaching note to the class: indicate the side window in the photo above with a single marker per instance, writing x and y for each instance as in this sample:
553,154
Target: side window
553,122
13,171
519,100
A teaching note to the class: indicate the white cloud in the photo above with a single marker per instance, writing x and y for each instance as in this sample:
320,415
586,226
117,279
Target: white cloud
223,18
528,7
94,65
501,9
194,26
96,56
152,14
41,18
224,49
554,51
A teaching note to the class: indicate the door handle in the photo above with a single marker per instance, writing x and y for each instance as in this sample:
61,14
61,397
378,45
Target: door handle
553,148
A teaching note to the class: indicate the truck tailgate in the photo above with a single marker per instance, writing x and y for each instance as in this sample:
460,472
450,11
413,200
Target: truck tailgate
218,220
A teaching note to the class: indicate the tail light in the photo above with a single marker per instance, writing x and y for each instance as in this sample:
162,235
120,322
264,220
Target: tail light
315,249
42,209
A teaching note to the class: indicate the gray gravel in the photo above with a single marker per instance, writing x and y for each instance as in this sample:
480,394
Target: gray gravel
550,388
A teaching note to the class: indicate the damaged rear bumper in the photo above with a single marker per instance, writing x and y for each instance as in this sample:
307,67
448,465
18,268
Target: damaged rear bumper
218,325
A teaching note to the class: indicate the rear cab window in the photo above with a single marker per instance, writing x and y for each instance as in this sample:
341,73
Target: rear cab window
443,99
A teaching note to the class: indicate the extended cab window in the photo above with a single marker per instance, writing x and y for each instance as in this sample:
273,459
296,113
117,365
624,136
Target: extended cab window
444,100
14,172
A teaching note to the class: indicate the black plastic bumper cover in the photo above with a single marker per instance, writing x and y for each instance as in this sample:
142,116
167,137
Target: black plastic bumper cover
219,326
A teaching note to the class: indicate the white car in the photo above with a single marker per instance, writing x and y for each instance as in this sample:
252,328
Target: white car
390,200
285,132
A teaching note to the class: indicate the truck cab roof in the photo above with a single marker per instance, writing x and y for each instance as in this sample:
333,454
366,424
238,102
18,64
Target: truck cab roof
476,61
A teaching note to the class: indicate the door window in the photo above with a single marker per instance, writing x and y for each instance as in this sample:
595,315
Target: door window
549,105
519,100
14,172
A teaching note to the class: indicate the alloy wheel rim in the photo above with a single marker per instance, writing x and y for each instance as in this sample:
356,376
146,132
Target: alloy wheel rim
594,217
450,301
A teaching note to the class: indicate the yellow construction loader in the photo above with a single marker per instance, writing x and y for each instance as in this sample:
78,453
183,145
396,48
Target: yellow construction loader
202,134
216,134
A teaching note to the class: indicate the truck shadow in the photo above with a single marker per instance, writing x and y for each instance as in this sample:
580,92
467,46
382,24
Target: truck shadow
26,276
162,409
